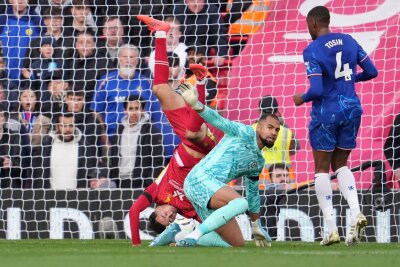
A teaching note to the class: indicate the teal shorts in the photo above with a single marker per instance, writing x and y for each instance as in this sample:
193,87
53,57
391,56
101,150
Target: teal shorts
199,189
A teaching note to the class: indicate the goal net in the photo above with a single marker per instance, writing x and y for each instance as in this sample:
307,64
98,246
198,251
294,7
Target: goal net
75,154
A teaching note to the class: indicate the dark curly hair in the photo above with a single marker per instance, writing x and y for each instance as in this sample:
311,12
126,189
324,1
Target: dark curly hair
154,225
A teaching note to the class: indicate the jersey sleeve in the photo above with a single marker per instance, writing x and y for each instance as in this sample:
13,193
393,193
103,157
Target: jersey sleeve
140,205
225,125
361,54
369,69
314,73
253,194
312,64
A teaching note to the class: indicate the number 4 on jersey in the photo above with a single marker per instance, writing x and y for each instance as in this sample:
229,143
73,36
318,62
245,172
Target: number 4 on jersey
346,73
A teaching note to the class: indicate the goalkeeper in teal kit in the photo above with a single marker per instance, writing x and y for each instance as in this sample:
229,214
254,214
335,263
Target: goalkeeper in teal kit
238,154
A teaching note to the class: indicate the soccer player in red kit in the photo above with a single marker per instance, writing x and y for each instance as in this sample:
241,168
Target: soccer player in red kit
196,140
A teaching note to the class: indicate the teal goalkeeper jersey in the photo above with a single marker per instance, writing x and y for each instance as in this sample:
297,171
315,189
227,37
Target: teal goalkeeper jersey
236,155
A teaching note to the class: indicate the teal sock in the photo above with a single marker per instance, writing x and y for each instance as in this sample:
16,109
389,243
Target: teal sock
223,215
212,239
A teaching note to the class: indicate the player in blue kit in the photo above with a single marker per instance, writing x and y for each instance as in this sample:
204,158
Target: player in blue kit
331,61
237,154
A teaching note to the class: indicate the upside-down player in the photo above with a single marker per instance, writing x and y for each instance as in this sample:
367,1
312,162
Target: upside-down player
167,190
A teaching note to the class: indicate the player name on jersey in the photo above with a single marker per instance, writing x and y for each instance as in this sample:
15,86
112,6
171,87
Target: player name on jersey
333,43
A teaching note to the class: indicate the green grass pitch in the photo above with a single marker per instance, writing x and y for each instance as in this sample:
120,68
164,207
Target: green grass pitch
71,253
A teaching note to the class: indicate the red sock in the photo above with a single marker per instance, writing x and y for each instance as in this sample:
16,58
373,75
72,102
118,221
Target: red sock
161,68
195,121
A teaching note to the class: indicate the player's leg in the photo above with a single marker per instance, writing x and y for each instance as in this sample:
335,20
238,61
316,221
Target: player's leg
227,204
165,94
322,140
194,131
346,142
323,190
231,233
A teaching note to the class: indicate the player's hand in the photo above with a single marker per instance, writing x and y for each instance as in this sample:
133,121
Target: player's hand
298,99
261,237
189,93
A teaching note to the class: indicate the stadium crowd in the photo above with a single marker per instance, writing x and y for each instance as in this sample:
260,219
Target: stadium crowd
83,69
75,87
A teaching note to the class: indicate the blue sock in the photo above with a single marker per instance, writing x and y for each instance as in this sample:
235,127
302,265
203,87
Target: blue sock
223,215
212,239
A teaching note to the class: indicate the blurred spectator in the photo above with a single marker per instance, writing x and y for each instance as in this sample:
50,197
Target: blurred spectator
28,109
286,144
203,27
64,161
392,147
52,95
63,46
17,28
173,44
85,122
127,10
8,98
279,174
113,38
11,155
113,89
246,17
80,10
87,66
65,6
53,4
33,125
44,67
137,150
4,80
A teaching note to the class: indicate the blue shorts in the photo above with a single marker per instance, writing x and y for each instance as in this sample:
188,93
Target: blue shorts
328,136
199,189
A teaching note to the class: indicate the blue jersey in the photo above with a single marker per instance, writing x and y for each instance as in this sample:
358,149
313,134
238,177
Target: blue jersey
236,155
15,37
111,93
335,57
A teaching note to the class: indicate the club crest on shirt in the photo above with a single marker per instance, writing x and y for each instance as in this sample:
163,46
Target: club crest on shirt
29,32
254,165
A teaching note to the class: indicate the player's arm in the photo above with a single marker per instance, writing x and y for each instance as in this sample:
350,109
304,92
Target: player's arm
369,70
140,205
314,74
189,94
261,237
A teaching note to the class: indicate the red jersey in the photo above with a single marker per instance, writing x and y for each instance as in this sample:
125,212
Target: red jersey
167,189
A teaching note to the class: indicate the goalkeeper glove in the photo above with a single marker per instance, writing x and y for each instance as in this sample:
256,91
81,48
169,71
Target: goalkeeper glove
261,237
189,93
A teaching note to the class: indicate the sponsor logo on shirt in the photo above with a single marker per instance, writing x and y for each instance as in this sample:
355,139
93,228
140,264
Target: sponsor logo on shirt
179,194
119,99
175,185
